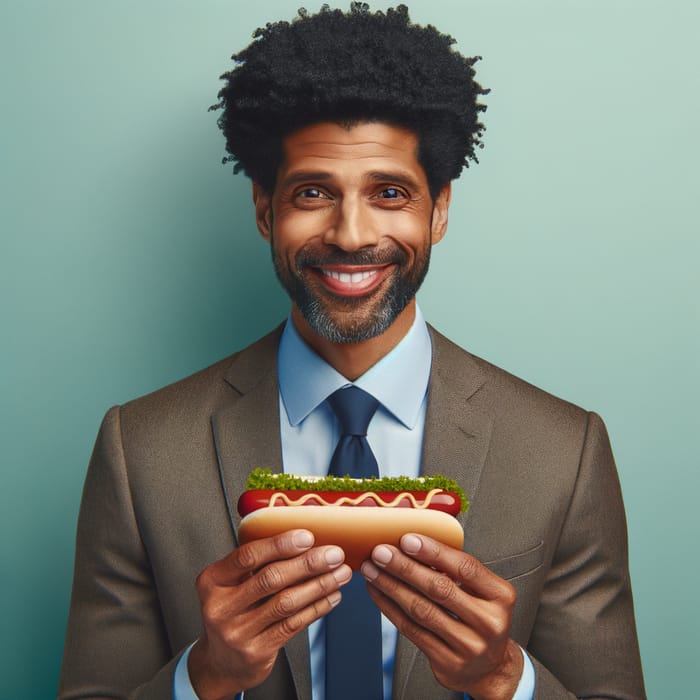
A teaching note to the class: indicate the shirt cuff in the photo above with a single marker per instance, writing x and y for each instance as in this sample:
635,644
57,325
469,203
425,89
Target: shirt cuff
526,686
182,686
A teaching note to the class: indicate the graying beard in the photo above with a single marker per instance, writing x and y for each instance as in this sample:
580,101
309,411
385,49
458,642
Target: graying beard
322,324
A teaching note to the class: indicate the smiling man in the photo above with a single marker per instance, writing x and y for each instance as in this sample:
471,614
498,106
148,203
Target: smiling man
351,127
354,222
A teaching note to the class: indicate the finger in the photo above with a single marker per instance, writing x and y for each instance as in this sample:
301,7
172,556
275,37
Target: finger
280,575
458,565
489,618
421,616
459,666
250,557
430,643
296,608
252,603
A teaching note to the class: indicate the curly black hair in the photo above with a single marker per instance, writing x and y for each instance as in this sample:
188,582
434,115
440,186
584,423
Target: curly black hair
350,67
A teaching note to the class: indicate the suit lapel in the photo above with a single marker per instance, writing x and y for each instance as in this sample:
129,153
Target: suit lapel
457,433
457,436
247,435
246,430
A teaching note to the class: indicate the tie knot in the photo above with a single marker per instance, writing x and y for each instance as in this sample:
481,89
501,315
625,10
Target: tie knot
354,409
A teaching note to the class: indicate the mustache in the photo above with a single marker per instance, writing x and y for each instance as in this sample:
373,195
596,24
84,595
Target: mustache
336,256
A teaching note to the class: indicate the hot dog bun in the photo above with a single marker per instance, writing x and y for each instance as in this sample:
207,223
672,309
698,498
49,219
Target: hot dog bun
357,530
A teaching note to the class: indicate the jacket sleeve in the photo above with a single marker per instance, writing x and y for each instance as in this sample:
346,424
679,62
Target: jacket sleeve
584,641
116,639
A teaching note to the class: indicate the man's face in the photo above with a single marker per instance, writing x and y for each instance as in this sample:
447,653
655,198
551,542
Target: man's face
351,224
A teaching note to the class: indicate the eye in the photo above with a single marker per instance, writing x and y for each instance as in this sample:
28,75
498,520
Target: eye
390,193
309,193
309,197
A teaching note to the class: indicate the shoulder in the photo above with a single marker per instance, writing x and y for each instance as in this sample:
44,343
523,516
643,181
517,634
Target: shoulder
511,401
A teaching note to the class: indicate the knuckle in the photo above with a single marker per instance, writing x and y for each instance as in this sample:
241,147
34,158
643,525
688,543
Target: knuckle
442,588
208,612
324,584
281,544
500,624
316,560
480,647
311,562
232,640
327,584
500,627
410,628
423,611
284,605
321,608
467,568
244,558
213,612
250,657
291,625
269,580
405,566
203,582
432,547
510,595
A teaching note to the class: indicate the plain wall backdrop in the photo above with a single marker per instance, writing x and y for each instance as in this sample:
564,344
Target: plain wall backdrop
129,258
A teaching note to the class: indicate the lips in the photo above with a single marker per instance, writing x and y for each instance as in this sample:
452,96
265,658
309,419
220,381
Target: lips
352,280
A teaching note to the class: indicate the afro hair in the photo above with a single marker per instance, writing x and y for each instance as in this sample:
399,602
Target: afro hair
351,67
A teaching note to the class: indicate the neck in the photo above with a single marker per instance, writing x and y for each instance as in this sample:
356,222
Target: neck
352,360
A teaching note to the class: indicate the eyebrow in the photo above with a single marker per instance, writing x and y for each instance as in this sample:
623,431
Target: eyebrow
304,176
400,178
300,176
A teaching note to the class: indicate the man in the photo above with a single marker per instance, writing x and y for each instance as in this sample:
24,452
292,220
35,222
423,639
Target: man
351,127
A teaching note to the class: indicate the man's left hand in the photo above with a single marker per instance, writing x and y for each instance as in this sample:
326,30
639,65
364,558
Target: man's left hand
456,611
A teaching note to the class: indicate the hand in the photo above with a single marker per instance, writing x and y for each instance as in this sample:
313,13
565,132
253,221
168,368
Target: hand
253,601
456,611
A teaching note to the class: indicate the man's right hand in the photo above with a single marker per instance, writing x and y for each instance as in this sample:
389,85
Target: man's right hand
254,601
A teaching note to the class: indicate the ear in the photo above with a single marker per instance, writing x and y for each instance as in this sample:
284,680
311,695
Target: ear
441,205
263,211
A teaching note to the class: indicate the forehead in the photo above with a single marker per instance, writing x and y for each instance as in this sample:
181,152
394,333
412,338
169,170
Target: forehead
364,147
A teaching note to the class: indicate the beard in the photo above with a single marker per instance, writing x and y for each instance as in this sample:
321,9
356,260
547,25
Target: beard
351,320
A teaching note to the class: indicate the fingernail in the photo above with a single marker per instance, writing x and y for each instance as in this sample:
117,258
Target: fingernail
369,571
411,544
343,574
382,555
334,556
303,539
334,598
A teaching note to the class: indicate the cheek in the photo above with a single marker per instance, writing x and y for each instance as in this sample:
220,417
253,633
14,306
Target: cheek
294,230
412,233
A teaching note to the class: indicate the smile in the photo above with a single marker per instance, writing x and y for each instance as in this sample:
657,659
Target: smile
349,277
350,281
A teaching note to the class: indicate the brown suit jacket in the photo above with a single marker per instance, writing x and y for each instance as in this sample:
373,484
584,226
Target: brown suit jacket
159,505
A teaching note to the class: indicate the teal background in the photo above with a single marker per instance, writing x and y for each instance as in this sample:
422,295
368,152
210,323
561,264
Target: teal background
129,258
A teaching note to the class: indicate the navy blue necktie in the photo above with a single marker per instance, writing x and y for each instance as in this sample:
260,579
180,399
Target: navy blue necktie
353,628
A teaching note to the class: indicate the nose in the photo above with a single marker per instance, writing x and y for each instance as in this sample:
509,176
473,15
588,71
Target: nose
352,226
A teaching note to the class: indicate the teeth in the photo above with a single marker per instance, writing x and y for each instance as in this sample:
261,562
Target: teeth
349,277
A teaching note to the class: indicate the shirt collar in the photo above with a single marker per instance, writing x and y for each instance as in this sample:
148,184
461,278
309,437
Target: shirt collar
306,380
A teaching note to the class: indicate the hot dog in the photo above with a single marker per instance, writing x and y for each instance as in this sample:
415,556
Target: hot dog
355,514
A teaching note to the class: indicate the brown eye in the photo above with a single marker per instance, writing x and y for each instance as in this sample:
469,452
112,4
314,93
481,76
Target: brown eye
390,193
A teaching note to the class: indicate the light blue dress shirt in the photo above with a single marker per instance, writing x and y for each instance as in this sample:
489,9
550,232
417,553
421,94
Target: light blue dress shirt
309,433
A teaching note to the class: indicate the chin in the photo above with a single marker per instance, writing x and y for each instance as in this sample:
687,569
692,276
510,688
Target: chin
353,325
